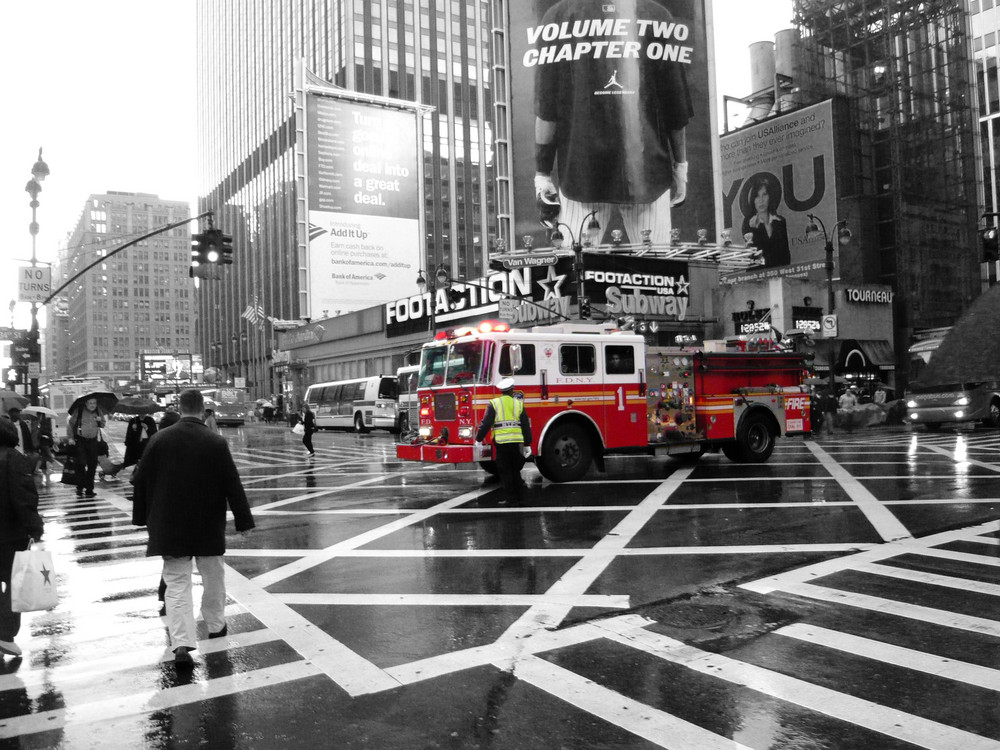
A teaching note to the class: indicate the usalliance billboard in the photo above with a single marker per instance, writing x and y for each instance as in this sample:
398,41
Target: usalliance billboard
774,174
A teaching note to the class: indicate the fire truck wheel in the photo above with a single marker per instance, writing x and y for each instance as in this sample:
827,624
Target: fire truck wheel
359,424
732,452
490,467
567,453
755,438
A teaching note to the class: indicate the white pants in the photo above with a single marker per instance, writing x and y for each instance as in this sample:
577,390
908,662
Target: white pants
653,216
180,604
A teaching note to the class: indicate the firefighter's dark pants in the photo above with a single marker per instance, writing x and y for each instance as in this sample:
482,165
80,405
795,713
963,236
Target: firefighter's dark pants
509,463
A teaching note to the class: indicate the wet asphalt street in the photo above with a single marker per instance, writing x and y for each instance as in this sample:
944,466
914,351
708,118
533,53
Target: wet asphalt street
844,595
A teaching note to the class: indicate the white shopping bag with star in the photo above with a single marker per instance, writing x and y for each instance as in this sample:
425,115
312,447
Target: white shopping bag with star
32,581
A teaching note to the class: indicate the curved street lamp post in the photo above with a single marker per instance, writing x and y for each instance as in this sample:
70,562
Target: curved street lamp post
843,236
593,228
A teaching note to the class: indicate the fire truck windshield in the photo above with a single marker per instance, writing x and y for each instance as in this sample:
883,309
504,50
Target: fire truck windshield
456,364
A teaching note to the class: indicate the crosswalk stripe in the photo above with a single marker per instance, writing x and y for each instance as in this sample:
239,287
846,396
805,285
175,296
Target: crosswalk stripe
658,727
457,600
933,579
885,523
972,674
900,609
885,720
138,704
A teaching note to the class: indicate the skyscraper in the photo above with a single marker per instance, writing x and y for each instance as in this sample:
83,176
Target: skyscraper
138,300
435,53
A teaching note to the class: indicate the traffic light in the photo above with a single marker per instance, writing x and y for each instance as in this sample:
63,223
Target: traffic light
198,255
225,248
991,244
584,308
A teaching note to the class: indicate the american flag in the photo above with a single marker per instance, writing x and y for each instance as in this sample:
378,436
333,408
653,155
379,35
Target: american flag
254,313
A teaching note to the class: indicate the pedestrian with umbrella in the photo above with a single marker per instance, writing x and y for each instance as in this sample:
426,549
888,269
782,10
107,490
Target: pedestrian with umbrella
141,427
87,417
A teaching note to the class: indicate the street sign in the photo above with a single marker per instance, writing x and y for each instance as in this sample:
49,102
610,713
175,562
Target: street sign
239,382
508,309
512,262
829,324
34,369
11,334
34,283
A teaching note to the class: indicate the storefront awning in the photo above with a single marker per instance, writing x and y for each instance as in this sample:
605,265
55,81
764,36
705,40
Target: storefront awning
855,355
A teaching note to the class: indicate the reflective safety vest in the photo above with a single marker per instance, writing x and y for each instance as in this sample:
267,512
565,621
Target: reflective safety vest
507,420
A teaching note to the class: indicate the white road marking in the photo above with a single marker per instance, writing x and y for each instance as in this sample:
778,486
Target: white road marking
972,674
899,609
350,670
881,552
593,563
655,726
885,523
859,712
457,600
139,704
931,579
314,558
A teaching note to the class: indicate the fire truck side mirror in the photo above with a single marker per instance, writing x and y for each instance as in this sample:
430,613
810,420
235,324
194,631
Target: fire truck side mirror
516,360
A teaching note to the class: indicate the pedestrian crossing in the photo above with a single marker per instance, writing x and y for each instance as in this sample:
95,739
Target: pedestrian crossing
101,659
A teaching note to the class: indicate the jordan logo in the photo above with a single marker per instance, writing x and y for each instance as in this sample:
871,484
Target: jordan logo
613,81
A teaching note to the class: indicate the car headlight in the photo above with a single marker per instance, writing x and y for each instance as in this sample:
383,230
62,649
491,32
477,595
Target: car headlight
963,401
913,416
911,404
959,414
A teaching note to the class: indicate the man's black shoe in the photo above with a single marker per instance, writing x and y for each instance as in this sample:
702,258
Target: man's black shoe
221,634
90,493
182,658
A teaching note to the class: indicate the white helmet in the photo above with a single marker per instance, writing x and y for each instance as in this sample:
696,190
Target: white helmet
505,384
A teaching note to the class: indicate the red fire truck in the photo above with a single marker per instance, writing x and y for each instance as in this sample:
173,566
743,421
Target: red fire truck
591,390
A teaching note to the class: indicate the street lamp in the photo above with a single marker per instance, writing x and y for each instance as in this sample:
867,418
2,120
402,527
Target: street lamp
431,285
593,227
39,172
843,235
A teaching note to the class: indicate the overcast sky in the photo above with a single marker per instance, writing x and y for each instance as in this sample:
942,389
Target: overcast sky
107,88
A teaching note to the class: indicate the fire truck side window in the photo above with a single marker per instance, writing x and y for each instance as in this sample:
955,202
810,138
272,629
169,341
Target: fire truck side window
577,359
619,360
527,360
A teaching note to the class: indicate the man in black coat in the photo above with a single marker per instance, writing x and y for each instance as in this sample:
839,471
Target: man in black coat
19,522
183,485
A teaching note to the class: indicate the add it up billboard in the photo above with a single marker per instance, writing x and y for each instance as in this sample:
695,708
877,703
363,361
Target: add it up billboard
363,184
611,110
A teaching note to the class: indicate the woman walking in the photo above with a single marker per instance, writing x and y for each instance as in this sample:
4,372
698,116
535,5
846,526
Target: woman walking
309,423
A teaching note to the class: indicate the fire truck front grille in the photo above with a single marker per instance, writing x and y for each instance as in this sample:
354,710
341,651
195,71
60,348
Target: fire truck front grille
444,407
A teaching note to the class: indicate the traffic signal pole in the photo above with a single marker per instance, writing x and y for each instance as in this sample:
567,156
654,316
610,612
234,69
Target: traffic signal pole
130,243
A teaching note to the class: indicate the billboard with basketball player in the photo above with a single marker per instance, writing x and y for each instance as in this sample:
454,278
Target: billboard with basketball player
611,112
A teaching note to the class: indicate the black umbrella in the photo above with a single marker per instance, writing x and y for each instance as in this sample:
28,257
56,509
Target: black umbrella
106,401
137,405
11,400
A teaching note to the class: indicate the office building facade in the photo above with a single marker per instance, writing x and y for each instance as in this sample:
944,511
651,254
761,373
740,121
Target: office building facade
436,54
138,300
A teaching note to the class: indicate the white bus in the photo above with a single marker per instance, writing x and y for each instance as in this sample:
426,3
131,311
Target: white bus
360,404
408,405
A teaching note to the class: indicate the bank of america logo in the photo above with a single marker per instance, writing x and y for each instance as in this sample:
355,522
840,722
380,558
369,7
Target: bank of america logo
380,276
315,230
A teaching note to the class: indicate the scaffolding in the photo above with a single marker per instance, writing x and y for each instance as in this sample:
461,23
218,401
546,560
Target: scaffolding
904,68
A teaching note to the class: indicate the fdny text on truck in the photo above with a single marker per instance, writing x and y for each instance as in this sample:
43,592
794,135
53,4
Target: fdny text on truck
591,391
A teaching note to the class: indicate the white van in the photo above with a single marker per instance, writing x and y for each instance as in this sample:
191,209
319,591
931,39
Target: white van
360,404
408,405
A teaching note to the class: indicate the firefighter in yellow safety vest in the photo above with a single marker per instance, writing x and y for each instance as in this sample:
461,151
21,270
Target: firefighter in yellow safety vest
505,415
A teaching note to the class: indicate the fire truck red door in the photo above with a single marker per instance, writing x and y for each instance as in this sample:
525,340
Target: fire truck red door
624,406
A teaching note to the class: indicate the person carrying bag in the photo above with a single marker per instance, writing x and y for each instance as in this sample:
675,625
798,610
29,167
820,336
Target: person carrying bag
19,524
32,580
